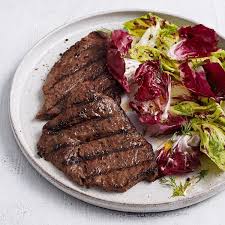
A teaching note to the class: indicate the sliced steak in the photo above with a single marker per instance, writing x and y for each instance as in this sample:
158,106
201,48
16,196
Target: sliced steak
102,84
81,68
95,145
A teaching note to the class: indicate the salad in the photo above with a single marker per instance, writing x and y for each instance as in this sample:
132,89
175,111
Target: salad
175,80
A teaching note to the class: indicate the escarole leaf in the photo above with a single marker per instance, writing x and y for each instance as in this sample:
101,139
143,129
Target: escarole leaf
188,108
215,57
153,36
138,26
168,35
179,93
219,57
212,137
153,31
207,109
143,53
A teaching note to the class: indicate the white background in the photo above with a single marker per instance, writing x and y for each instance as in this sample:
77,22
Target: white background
25,197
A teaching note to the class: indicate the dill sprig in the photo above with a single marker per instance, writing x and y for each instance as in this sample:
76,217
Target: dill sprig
186,128
180,188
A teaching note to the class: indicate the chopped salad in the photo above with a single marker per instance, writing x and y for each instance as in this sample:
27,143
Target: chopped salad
175,80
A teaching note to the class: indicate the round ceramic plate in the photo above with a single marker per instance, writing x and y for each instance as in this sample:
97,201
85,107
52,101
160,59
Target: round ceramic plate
26,99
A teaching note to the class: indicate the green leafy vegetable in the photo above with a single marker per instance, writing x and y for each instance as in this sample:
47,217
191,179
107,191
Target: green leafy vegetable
186,129
138,26
180,188
209,109
217,57
189,108
153,31
179,93
167,36
212,137
143,53
152,37
209,123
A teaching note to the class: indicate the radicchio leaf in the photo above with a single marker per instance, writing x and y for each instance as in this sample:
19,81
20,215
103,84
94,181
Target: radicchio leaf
152,82
116,66
179,156
207,80
152,92
216,77
170,125
195,80
196,41
122,41
118,46
151,100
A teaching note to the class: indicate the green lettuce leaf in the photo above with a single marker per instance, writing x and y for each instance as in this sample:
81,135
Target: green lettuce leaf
212,137
167,37
218,57
188,108
143,53
208,109
153,31
138,26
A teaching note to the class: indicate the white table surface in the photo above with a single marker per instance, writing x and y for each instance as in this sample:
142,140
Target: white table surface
25,197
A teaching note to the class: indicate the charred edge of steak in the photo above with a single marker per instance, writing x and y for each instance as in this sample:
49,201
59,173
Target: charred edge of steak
108,86
85,43
54,98
81,54
79,164
98,57
108,184
112,90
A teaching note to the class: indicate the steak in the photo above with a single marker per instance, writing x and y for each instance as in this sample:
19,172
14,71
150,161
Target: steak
93,142
82,67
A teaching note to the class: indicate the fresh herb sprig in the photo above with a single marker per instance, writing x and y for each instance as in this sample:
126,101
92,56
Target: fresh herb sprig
180,189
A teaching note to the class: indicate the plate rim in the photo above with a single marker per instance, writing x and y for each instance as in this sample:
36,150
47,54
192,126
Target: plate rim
127,207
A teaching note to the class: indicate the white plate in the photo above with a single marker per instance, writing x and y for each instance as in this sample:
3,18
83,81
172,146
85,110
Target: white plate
25,101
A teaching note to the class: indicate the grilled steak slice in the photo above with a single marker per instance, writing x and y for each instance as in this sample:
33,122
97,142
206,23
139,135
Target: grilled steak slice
95,145
102,84
84,64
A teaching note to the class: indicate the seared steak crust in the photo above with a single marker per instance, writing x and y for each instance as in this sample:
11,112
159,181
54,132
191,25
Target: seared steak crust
95,145
81,68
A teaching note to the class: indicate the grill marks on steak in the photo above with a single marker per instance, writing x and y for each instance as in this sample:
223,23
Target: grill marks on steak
94,144
81,68
89,137
122,180
71,58
102,84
